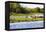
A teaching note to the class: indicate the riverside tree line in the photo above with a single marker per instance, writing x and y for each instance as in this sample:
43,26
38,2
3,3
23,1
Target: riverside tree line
17,8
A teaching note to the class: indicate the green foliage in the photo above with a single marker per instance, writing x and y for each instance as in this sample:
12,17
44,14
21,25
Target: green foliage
17,8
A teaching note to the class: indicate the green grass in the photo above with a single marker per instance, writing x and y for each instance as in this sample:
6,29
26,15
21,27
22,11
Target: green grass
21,19
28,19
24,19
19,14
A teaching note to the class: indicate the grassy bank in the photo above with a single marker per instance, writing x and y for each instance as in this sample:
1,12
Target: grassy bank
19,19
26,19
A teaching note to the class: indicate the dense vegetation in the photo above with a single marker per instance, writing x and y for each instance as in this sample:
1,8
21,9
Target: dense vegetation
17,10
16,7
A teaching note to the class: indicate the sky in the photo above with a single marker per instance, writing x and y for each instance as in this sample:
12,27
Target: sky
31,5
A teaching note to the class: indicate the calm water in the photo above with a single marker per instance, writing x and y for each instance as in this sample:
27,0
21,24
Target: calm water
32,24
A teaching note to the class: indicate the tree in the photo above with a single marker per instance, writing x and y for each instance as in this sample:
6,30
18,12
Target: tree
15,7
38,9
42,10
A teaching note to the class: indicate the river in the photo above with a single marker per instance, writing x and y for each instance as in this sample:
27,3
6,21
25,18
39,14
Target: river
31,24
